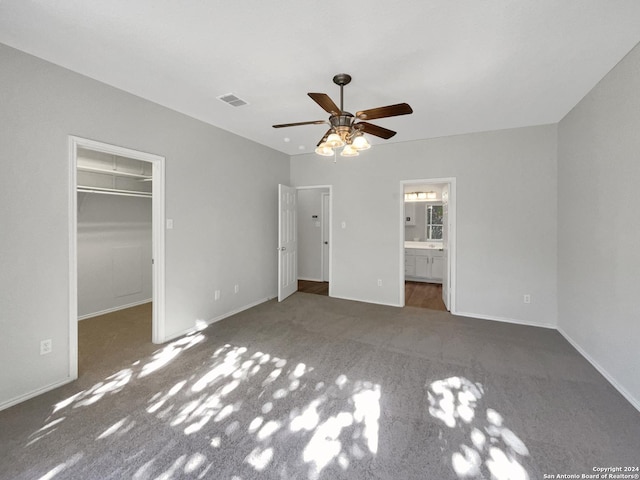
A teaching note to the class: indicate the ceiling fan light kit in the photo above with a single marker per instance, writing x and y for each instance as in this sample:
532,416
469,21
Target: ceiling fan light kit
334,141
345,130
349,151
324,151
360,143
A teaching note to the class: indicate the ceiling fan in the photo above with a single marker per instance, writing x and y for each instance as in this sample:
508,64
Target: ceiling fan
348,129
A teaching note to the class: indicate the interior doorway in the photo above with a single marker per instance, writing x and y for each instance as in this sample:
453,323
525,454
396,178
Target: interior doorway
314,239
120,174
427,247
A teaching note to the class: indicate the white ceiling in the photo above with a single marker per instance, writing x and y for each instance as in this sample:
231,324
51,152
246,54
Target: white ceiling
464,65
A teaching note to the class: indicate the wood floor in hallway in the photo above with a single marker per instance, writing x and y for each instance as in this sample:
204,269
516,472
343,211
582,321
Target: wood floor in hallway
416,294
423,295
319,288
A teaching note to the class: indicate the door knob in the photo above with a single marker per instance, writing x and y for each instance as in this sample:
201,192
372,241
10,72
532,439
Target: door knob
326,243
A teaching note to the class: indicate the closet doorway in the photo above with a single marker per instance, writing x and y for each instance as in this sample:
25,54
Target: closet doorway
117,238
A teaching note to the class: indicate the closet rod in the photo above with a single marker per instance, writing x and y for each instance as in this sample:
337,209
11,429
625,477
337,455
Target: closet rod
123,193
117,173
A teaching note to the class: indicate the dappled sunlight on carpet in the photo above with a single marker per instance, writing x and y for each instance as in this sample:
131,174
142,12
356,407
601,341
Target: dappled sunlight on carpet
492,448
323,389
329,423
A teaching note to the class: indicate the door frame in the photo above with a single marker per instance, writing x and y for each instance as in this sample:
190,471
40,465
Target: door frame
451,264
157,233
330,187
325,212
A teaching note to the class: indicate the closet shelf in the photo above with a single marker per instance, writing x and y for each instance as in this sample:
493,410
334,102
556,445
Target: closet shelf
112,191
117,173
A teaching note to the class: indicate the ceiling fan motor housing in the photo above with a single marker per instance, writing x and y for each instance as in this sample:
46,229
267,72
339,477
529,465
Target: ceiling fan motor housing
344,120
343,125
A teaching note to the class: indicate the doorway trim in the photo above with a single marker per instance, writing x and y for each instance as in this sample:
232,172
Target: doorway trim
326,213
157,233
451,265
330,187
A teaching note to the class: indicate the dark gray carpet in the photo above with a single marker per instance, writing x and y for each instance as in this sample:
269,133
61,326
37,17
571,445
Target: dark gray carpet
320,388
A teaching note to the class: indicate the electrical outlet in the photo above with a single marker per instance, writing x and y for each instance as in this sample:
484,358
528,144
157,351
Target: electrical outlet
379,282
527,298
46,346
236,288
217,295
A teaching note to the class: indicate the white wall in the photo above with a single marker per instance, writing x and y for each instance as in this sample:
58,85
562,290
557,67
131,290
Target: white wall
114,252
507,241
599,227
41,105
310,233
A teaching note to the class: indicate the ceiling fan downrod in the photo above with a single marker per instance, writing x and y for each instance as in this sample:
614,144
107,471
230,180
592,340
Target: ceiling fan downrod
342,79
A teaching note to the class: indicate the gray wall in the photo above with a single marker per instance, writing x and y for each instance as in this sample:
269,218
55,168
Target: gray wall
599,225
507,240
310,233
114,252
212,245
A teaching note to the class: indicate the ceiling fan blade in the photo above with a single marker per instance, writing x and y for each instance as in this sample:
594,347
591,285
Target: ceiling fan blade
383,112
324,137
325,102
372,129
314,122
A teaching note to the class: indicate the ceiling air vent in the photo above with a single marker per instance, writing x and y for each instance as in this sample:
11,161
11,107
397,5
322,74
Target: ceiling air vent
231,99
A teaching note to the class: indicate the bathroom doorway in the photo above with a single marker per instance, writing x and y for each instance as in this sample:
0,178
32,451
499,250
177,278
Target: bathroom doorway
428,243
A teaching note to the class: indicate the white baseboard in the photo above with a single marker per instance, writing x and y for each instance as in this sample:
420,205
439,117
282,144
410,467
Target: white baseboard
114,309
409,278
217,319
623,391
504,320
34,393
311,279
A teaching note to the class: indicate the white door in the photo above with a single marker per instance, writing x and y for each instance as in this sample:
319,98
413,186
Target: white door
326,221
287,242
445,247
